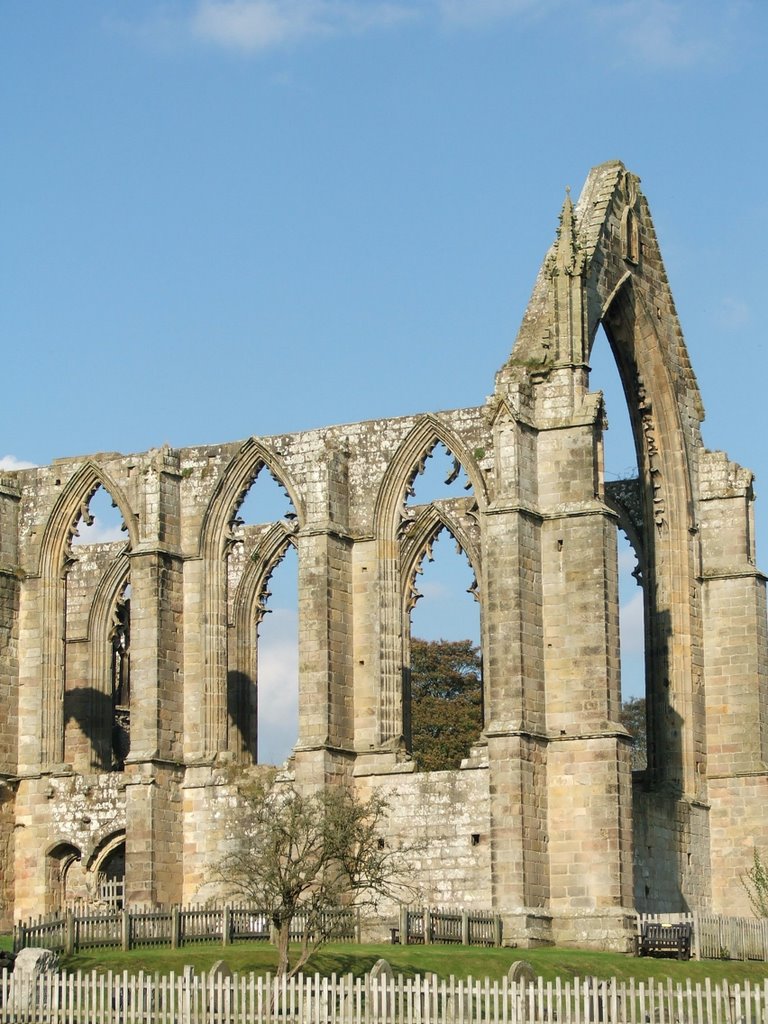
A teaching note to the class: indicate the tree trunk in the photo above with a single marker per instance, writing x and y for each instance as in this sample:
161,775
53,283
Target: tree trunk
283,936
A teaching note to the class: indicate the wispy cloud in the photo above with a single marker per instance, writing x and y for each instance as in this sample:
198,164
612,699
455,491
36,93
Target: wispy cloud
257,25
666,34
11,462
734,314
477,13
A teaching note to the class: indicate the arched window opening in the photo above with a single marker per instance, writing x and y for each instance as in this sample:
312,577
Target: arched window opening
443,705
266,501
278,664
100,521
121,679
96,634
62,877
262,686
438,475
110,877
623,492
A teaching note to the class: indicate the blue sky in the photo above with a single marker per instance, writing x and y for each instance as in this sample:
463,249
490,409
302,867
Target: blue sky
232,217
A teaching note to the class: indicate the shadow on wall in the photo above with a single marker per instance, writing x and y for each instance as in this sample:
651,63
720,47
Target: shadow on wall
95,732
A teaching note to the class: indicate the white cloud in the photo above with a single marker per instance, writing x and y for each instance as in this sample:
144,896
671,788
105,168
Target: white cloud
11,462
278,686
256,25
665,34
734,314
99,532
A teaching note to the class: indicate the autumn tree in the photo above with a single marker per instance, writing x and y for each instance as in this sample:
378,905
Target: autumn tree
298,858
446,701
632,717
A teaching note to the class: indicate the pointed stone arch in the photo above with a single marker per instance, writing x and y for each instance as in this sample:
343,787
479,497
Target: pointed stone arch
390,521
216,537
100,625
233,485
430,522
55,554
69,506
248,610
428,431
665,414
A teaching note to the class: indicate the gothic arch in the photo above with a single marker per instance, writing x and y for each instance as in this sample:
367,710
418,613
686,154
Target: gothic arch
216,535
426,433
390,519
431,521
231,489
53,560
100,625
248,610
658,386
68,509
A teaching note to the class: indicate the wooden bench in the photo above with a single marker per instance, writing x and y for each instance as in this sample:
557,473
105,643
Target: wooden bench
665,939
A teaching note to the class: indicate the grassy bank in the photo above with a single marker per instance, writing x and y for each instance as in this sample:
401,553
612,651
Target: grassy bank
410,960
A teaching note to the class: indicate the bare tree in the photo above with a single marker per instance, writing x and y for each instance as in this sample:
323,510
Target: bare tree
755,881
299,858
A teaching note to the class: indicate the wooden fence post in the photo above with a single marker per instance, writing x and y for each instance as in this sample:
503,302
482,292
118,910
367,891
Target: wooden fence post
497,930
404,925
226,926
126,929
69,932
175,927
427,926
464,928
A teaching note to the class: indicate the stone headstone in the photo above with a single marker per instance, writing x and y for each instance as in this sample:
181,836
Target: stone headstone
382,973
32,963
523,975
218,987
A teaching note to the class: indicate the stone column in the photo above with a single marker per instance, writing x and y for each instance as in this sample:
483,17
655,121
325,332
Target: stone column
326,711
9,678
514,687
736,673
588,766
153,767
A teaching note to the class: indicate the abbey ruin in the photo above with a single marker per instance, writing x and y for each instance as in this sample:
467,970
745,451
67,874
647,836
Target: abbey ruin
128,669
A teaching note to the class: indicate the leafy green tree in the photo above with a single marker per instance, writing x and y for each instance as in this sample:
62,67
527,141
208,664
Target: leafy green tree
755,881
446,702
632,717
298,858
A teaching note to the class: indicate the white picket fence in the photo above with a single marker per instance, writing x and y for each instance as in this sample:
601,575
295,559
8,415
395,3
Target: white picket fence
78,998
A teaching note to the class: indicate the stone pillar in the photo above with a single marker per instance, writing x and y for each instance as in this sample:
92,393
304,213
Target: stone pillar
589,779
736,673
514,687
10,576
326,694
9,681
153,767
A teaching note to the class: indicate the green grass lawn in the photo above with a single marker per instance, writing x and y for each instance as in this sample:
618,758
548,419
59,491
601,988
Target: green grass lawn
445,961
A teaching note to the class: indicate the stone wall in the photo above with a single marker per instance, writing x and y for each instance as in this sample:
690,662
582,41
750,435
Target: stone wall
540,823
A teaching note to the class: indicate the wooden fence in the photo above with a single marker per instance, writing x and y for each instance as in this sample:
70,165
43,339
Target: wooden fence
716,937
179,926
442,925
175,927
190,998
